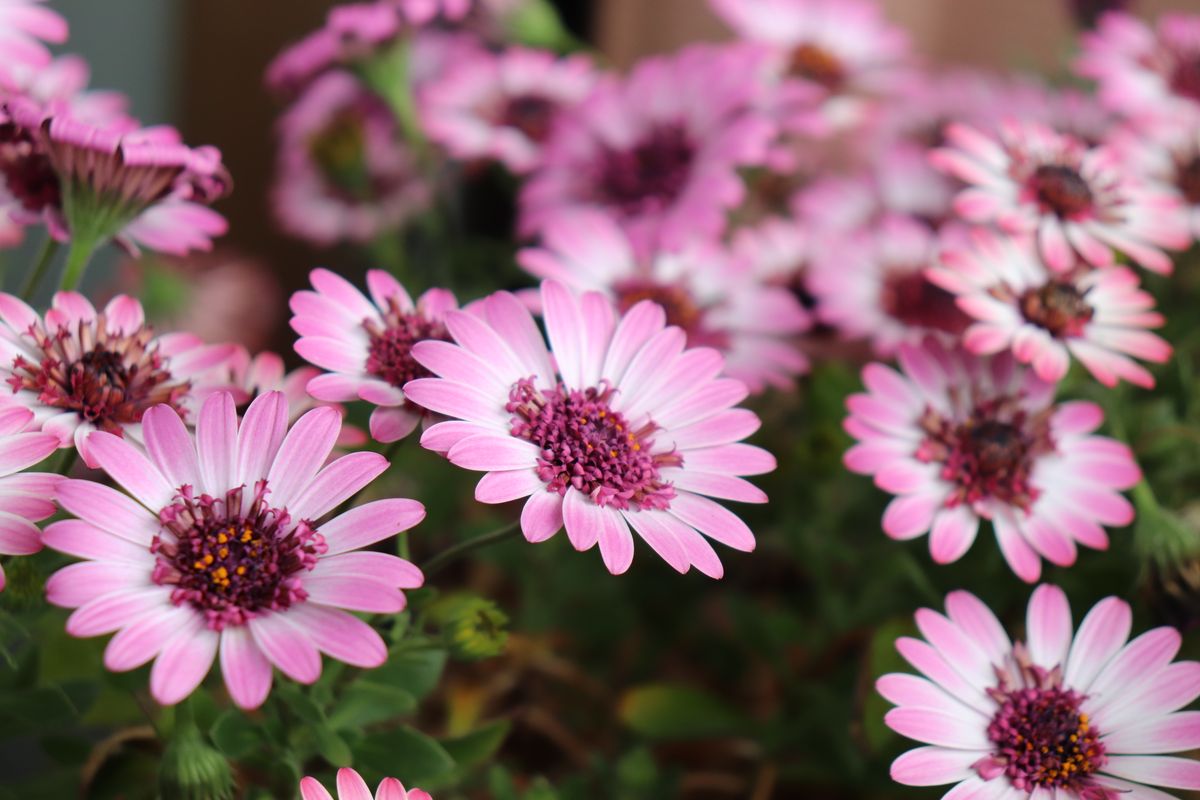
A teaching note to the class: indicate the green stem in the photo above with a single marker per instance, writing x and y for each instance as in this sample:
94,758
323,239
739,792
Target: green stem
34,278
77,260
451,554
70,456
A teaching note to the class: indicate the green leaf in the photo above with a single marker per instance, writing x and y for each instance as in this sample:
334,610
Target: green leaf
500,784
332,747
301,705
479,745
407,752
366,701
669,711
882,658
417,671
234,734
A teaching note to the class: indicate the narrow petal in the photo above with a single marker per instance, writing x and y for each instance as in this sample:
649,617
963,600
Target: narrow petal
246,670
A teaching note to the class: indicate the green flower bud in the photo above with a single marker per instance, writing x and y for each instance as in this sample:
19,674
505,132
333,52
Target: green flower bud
191,769
473,628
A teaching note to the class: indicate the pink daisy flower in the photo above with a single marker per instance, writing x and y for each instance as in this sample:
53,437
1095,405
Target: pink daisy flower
873,286
79,371
217,550
502,106
351,786
716,300
1078,200
1083,717
614,426
25,27
25,497
960,438
1144,72
62,84
366,343
343,173
658,151
1099,316
1168,152
844,49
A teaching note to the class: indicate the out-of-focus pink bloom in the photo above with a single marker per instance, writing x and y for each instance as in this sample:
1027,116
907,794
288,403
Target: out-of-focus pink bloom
1144,72
25,497
216,551
366,343
62,85
1099,316
353,32
958,438
1079,201
873,286
658,151
25,27
1083,716
79,371
343,173
351,786
843,49
615,425
503,106
718,301
1167,151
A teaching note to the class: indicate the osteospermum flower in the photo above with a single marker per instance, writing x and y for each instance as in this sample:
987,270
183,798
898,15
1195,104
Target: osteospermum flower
717,301
1078,200
79,370
351,786
25,497
614,426
844,49
959,439
1083,717
874,286
25,27
217,549
502,106
1168,152
366,343
1144,72
658,151
1099,316
343,173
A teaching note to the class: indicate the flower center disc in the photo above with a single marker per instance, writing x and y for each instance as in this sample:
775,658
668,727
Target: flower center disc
110,380
1185,78
586,445
650,175
1059,307
1187,177
28,174
1062,190
232,566
908,297
1043,740
389,353
815,63
530,115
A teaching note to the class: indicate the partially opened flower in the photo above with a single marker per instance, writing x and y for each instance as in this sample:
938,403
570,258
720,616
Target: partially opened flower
1099,316
614,426
366,343
1143,71
351,786
1080,201
658,151
718,301
959,439
25,497
845,49
503,106
343,172
218,550
79,370
25,28
1074,717
873,286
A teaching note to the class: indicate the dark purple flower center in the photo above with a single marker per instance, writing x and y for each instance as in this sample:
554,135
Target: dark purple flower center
681,309
650,175
1187,178
1185,76
1062,190
530,114
229,565
1044,741
1059,307
814,63
27,171
109,379
989,455
389,354
908,297
586,445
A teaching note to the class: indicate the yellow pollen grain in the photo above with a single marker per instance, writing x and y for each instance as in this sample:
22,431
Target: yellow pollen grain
240,570
222,538
208,559
612,453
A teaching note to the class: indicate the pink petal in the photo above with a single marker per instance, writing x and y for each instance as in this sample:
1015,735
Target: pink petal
978,622
937,728
110,612
132,470
311,789
501,487
351,786
933,766
1048,626
341,635
109,510
369,523
144,638
183,662
18,536
1101,634
23,450
583,519
1145,655
1167,771
287,647
246,670
490,453
391,424
81,539
1174,733
304,449
542,516
263,428
337,482
382,567
216,443
952,534
713,520
170,446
